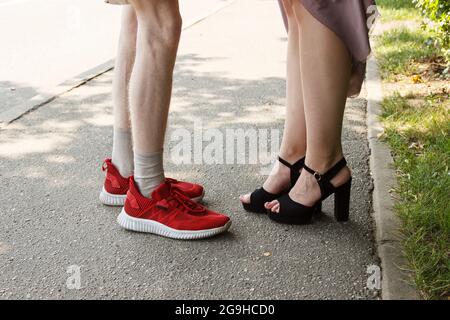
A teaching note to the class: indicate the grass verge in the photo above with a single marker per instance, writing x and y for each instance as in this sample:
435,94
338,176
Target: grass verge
416,117
397,10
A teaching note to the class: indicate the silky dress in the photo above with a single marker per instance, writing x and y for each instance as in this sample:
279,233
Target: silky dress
351,21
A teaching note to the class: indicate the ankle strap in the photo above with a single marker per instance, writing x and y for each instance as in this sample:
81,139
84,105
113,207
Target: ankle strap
323,180
294,168
299,164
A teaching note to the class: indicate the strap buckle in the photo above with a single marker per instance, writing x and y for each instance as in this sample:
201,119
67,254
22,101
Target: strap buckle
317,175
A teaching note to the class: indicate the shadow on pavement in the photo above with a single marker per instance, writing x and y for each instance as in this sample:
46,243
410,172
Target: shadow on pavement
51,219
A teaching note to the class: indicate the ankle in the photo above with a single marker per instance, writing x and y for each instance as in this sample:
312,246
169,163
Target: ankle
149,171
321,163
122,152
279,170
278,180
292,154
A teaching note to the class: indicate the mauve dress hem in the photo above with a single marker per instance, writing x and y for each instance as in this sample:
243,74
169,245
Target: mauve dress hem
353,32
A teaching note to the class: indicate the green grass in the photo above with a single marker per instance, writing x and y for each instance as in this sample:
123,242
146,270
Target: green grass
419,137
398,50
392,10
417,129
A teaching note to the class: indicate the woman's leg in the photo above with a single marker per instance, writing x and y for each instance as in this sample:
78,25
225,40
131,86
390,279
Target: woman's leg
293,146
122,153
159,28
326,69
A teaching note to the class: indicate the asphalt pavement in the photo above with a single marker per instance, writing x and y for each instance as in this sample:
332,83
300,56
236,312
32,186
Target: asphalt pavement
230,76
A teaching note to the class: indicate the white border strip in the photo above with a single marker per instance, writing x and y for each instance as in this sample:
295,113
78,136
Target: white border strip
16,112
12,2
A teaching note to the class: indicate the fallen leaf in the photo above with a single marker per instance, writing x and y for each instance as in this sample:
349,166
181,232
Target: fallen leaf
416,79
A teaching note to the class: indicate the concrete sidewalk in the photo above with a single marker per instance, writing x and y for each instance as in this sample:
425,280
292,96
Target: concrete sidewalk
230,74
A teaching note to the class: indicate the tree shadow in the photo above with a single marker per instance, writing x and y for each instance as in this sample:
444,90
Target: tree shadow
50,170
14,93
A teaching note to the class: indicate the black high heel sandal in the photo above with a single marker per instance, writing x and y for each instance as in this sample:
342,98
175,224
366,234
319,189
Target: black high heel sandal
292,212
260,196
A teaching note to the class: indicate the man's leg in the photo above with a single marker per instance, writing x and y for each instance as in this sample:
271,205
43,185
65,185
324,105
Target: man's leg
173,215
158,35
122,153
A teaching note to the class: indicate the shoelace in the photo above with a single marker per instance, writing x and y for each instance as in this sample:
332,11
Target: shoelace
173,183
184,203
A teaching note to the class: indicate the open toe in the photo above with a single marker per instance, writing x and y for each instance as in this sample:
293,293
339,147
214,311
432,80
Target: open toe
245,198
260,197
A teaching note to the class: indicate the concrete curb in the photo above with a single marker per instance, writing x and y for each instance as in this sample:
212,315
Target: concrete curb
396,284
51,94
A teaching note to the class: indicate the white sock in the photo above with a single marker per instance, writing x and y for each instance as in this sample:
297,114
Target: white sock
148,171
122,152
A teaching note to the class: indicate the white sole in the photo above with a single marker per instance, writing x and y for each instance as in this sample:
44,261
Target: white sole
115,200
151,226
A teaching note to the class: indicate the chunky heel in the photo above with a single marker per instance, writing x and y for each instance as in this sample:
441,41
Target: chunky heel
342,202
292,212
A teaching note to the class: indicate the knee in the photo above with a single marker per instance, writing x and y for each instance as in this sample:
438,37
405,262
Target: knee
163,33
128,31
170,31
129,22
289,9
127,42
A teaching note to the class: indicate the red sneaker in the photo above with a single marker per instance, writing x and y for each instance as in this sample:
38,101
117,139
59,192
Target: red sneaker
114,191
115,187
170,213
